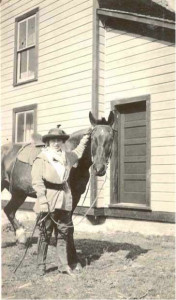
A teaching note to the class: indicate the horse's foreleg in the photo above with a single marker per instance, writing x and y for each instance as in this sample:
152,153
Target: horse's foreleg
10,210
72,255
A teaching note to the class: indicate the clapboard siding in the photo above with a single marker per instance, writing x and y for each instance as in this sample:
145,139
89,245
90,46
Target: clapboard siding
163,105
45,86
157,124
140,74
56,108
64,85
147,65
137,65
62,77
60,41
127,51
17,9
162,150
166,132
59,18
48,96
57,53
144,82
163,187
141,57
138,90
79,62
6,110
163,206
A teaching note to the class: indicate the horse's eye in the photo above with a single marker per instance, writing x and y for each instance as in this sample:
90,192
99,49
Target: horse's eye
94,148
95,141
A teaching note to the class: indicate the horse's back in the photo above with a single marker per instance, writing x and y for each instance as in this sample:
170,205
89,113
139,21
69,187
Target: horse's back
9,149
8,155
15,171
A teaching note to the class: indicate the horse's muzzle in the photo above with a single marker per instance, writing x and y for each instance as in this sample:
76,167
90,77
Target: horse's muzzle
100,170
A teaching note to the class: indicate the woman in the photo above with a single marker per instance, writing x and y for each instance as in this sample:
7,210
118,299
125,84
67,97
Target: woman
50,173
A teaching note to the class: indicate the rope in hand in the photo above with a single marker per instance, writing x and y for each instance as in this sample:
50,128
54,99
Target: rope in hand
28,244
39,220
70,226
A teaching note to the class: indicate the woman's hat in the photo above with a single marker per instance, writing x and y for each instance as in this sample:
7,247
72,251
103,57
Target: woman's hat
55,133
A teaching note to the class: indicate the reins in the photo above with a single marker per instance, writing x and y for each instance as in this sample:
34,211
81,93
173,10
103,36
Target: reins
84,216
28,244
39,220
86,213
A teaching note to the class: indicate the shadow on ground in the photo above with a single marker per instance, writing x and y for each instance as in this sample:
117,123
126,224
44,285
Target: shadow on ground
100,247
91,250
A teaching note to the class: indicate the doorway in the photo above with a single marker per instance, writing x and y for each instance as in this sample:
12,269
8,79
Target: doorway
130,168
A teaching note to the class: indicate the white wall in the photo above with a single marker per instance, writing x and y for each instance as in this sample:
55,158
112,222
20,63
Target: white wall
63,91
64,83
135,66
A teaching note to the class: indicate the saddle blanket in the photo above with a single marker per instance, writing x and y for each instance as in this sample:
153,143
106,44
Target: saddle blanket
28,153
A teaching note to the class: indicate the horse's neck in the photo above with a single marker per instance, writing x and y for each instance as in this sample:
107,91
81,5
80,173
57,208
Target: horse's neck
74,139
73,142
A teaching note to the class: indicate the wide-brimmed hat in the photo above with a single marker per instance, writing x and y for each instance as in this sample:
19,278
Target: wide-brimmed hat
55,133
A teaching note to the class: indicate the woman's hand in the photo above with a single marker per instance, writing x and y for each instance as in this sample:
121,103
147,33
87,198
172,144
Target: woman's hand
44,207
89,131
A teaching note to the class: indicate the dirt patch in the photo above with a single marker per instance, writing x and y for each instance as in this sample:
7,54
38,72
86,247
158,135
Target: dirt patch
115,266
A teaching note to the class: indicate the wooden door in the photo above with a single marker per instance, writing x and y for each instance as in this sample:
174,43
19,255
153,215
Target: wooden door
131,158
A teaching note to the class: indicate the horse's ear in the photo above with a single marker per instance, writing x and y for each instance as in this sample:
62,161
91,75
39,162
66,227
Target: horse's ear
92,119
111,118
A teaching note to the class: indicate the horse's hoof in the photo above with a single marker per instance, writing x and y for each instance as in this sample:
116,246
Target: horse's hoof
7,228
77,268
21,236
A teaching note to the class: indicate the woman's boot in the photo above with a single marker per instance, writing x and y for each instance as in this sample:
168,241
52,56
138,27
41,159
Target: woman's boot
63,266
41,257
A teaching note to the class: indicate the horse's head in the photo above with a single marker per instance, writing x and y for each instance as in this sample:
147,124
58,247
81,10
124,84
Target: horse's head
101,143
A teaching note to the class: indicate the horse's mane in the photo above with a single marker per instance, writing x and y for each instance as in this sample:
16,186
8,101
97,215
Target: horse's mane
101,121
74,139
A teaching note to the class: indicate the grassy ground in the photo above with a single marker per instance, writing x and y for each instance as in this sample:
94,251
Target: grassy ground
116,266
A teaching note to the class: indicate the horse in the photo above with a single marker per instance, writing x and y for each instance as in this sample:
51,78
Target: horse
16,175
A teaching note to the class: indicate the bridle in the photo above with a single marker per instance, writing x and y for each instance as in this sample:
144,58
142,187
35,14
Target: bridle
39,220
113,133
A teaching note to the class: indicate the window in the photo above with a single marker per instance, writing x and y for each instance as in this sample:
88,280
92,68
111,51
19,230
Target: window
26,48
24,123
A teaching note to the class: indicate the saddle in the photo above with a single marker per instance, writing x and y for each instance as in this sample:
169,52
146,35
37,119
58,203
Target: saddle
28,153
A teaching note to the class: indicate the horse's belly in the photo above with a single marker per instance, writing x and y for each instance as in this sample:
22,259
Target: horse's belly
21,179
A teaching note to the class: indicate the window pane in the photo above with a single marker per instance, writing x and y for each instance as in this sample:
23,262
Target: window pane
29,126
20,128
32,64
23,65
22,35
31,31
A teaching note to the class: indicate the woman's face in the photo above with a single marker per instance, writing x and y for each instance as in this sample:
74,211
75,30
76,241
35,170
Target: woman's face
56,144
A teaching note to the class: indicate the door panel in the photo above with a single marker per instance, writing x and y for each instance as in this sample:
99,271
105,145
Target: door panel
134,168
135,132
135,150
135,198
132,153
135,186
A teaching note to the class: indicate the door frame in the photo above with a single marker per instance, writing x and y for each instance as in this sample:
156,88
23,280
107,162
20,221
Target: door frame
114,178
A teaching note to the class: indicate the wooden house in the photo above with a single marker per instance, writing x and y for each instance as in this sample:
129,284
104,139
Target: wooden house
64,58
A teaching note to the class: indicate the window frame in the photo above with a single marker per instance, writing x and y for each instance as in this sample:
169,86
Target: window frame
23,109
16,50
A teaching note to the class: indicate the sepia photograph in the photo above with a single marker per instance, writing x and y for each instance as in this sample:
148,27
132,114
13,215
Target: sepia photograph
88,149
